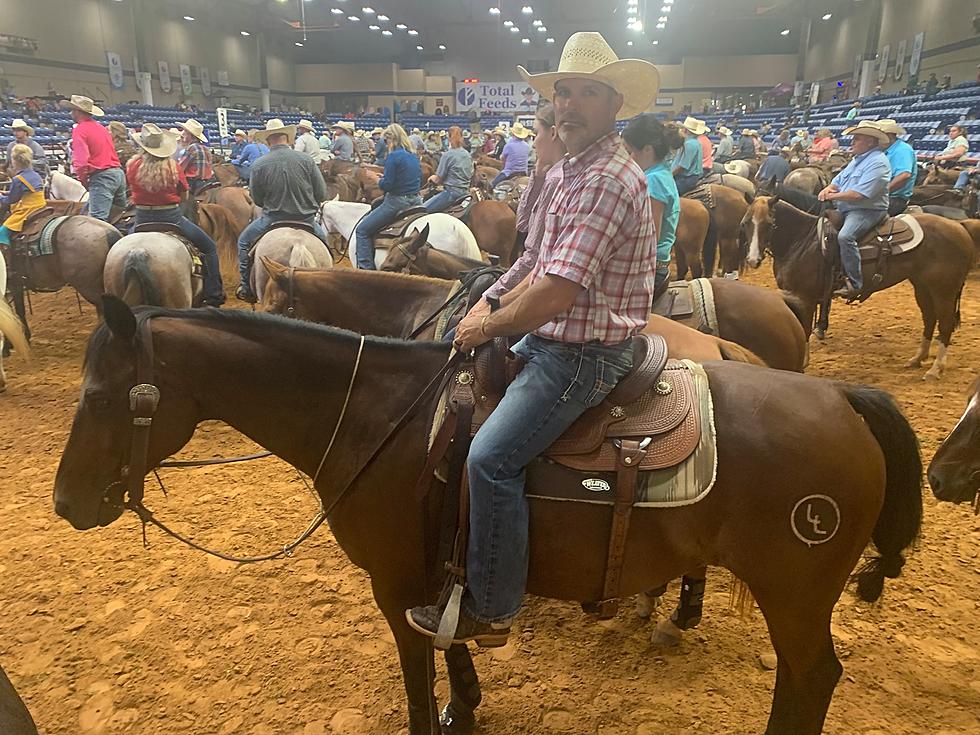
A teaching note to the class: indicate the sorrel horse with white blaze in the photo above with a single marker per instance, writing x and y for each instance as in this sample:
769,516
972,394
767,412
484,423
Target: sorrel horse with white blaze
860,454
954,472
937,267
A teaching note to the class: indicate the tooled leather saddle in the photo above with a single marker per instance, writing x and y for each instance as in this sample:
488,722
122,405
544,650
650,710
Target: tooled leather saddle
35,222
649,421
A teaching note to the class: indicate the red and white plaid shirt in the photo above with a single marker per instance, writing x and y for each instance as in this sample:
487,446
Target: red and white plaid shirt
599,233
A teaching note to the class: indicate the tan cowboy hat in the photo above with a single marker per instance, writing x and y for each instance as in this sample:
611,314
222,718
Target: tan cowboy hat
750,132
278,127
193,127
241,133
870,129
118,128
346,125
305,124
19,124
377,131
158,143
416,131
358,133
722,130
587,56
519,131
890,126
695,126
85,104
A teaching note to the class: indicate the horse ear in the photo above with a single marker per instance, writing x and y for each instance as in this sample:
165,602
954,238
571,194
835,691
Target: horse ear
773,200
423,235
277,271
336,198
119,317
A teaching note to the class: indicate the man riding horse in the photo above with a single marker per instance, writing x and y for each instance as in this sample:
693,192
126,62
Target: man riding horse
195,159
583,301
287,185
901,157
94,158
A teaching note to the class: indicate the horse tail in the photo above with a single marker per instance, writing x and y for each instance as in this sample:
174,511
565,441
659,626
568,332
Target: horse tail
900,519
137,272
12,329
796,305
301,257
737,353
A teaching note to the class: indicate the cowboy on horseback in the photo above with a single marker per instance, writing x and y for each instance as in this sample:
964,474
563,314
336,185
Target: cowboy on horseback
287,185
94,158
195,158
26,194
861,191
581,304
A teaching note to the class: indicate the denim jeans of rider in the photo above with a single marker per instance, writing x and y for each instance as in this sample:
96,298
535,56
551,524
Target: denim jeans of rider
214,292
558,384
443,200
251,234
857,223
376,220
105,188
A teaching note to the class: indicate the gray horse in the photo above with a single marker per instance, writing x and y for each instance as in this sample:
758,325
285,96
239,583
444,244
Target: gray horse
152,269
290,247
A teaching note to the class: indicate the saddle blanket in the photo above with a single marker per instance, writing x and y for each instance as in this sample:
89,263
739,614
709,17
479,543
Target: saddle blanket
691,303
44,245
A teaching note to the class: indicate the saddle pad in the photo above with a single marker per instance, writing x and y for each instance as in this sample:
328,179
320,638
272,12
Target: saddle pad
44,245
691,303
903,239
683,483
400,226
702,192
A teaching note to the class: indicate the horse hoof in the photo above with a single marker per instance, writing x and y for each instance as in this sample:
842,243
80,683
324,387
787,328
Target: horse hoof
913,363
932,375
646,605
819,334
456,723
667,634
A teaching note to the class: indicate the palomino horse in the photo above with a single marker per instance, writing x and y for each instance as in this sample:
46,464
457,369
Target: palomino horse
937,267
153,269
860,462
10,328
293,248
954,472
220,225
692,228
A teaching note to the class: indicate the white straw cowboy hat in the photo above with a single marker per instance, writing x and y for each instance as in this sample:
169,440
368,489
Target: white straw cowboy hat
890,126
416,130
750,132
695,126
519,131
241,133
870,129
19,124
158,143
587,56
193,127
85,104
377,131
345,125
722,130
275,126
305,124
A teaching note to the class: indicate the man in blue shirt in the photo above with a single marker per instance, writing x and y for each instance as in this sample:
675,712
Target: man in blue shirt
241,140
901,157
861,191
776,166
687,169
251,152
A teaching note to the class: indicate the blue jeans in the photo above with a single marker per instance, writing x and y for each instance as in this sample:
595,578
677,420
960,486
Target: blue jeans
376,220
251,234
443,200
244,171
558,384
962,179
857,223
214,291
105,188
686,182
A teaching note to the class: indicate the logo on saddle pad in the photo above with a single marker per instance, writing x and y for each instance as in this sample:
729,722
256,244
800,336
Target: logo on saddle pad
815,519
596,485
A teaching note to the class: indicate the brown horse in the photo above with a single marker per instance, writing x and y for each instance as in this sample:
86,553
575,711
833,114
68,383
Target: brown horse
226,174
939,175
221,226
14,716
414,255
483,177
860,462
489,162
937,268
692,228
343,187
237,201
954,472
973,227
729,208
494,225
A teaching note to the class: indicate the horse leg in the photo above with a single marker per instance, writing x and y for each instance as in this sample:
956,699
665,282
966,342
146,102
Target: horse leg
418,668
3,377
457,717
946,307
680,258
688,612
924,300
823,319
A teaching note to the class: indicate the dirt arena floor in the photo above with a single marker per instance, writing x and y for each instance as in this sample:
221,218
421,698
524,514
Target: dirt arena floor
102,636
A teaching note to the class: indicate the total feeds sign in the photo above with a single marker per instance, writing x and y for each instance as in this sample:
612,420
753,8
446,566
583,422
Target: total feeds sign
506,97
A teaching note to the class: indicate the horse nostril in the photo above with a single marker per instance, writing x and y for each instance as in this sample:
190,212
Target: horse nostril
936,483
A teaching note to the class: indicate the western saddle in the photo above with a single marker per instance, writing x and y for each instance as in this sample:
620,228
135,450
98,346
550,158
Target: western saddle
36,221
892,236
648,421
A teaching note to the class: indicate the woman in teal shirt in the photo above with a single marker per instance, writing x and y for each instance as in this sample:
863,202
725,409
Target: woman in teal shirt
646,140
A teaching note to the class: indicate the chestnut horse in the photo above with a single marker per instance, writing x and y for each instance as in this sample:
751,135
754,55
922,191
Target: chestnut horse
692,228
494,225
954,472
860,459
937,267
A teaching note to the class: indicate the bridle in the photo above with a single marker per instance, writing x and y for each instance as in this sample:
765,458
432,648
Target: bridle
144,399
412,259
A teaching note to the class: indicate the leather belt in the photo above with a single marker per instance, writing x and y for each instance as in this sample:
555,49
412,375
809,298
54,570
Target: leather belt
154,207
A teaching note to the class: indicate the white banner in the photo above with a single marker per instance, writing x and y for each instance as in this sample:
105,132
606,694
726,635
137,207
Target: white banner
916,56
115,69
856,74
900,59
883,64
136,73
164,68
205,81
185,80
814,93
505,97
222,78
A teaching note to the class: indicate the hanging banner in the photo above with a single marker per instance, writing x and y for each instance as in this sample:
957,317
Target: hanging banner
883,65
115,69
495,97
856,74
137,74
164,68
222,78
814,93
222,114
205,81
185,80
916,56
900,59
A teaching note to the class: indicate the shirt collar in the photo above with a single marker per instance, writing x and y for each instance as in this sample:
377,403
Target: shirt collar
864,156
605,145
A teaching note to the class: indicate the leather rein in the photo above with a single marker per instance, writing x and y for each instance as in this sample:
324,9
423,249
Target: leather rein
144,399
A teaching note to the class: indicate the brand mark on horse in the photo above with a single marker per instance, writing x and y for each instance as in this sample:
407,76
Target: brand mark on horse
815,519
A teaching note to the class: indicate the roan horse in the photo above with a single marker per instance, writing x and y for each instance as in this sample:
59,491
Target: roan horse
954,472
861,457
152,269
291,247
937,267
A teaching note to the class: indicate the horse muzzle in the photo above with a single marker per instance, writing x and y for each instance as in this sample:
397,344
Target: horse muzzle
955,486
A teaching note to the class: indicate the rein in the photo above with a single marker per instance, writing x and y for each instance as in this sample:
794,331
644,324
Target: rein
465,285
144,398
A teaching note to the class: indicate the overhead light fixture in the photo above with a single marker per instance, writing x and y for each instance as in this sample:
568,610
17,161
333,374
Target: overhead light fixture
353,18
661,26
367,10
656,42
538,22
665,9
549,39
631,20
245,33
515,29
828,16
508,23
383,18
420,48
412,32
401,26
542,29
442,47
494,11
188,17
298,43
386,32
525,40
784,32
662,19
638,26
374,27
629,43
336,11
527,10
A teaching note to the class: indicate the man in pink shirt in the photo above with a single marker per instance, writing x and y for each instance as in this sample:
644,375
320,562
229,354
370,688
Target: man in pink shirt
823,144
94,158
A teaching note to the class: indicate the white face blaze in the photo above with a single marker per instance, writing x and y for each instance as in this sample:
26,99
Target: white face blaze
759,213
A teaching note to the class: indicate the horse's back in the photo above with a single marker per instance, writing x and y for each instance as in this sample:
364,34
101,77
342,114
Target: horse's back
150,267
289,247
